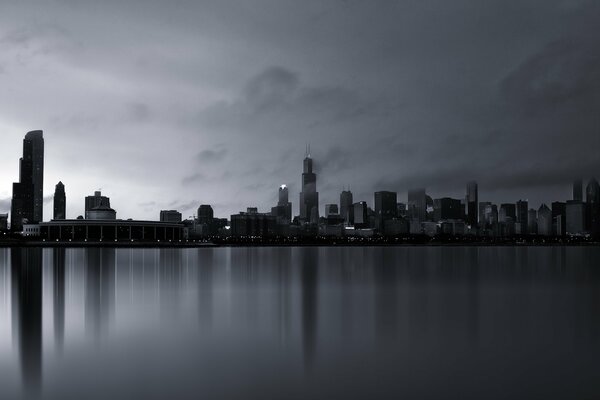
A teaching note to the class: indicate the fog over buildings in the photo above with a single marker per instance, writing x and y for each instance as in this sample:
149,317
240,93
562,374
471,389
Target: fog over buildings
168,105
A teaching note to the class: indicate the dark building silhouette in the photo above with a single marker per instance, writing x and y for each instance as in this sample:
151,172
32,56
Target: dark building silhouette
544,221
283,210
60,202
592,198
522,208
578,190
331,209
309,197
96,202
3,222
386,205
346,208
507,210
205,214
170,216
361,215
532,221
28,193
472,203
482,207
559,218
253,223
576,213
417,204
446,208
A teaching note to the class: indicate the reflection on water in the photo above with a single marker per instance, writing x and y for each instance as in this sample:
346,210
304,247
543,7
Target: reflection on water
335,323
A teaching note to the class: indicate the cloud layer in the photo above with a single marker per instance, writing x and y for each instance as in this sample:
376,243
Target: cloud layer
213,102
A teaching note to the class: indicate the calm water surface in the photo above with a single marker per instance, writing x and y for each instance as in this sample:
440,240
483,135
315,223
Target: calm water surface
300,323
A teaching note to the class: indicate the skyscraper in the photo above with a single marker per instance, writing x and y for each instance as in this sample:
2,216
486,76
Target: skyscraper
578,190
28,193
60,202
544,221
592,197
522,216
386,205
472,203
346,208
309,197
417,204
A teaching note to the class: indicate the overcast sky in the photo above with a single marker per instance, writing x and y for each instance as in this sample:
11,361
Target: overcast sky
173,104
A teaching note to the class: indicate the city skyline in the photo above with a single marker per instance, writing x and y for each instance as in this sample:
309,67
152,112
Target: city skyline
578,191
217,107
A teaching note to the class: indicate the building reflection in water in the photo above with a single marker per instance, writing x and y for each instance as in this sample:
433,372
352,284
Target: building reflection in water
26,272
58,266
99,291
206,266
308,276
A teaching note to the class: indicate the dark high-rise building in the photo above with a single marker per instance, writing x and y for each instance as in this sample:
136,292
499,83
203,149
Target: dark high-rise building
559,218
60,202
283,210
386,205
532,221
482,208
361,215
170,216
472,203
96,201
508,210
575,211
331,209
544,221
592,198
205,214
28,193
446,208
578,190
522,210
346,209
309,197
417,204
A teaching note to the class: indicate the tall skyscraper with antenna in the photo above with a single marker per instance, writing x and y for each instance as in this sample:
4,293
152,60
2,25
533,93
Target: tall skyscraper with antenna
309,197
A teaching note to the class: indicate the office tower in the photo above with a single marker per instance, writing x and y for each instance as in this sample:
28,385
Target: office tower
170,216
417,204
522,210
205,214
592,198
309,197
507,210
578,190
28,193
386,204
446,208
283,210
490,214
60,202
544,221
532,221
472,201
331,209
361,215
95,201
482,207
559,218
575,223
346,208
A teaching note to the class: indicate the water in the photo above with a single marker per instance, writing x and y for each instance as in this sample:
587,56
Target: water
300,323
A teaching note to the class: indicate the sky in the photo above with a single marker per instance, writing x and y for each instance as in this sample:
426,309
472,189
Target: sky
173,104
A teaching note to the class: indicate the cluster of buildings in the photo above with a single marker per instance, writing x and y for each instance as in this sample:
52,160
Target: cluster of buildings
419,215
